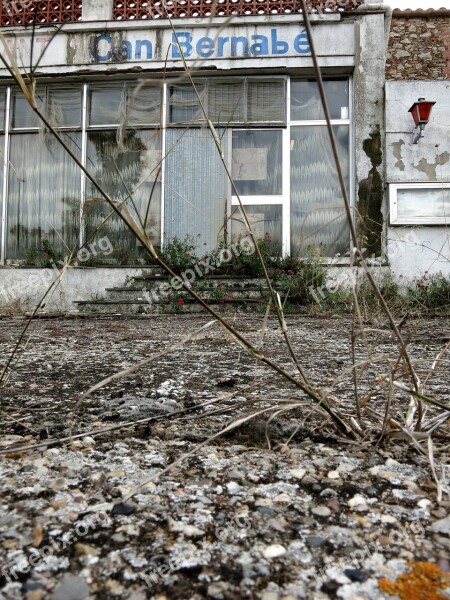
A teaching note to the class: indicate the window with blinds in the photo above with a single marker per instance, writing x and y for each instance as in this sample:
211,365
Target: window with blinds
244,101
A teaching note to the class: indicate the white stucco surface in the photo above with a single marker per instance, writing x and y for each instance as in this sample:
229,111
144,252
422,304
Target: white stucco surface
412,251
22,289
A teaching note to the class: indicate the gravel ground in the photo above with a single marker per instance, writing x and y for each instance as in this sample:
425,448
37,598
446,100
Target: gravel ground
277,510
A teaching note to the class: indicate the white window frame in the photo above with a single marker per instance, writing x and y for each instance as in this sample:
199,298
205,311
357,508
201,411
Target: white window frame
275,199
394,218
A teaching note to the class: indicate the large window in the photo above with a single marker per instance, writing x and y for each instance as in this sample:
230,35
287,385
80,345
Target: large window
318,221
124,155
114,131
149,147
43,184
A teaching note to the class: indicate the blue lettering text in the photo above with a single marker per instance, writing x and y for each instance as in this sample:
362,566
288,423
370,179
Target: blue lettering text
103,57
278,47
301,43
234,45
260,47
143,44
181,41
205,47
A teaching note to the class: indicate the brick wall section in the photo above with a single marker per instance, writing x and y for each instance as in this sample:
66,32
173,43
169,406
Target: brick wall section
419,46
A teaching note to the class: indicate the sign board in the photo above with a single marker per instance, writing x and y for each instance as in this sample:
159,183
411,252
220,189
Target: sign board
160,45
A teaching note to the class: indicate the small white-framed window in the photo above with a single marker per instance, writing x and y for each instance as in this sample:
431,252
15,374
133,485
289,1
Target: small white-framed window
419,204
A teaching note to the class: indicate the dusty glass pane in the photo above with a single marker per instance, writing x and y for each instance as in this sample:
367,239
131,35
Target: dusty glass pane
266,222
318,221
306,104
144,105
22,115
129,174
184,106
426,203
256,162
44,194
107,104
63,106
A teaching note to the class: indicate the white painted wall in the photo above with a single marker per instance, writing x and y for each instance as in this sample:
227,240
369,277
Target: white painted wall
22,289
97,10
412,251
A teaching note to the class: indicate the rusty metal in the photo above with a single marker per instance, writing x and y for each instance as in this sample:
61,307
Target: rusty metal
29,12
128,10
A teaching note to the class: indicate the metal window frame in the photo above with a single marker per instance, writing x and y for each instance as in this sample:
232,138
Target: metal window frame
5,176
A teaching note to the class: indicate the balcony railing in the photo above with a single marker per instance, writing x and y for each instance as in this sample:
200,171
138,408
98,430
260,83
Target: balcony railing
43,12
29,12
179,9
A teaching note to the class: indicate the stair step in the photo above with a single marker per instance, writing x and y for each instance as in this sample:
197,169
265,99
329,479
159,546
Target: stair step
131,307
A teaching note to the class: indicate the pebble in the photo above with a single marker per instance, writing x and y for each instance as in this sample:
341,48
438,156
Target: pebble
274,551
298,473
388,519
270,596
321,511
122,508
356,575
233,488
333,475
217,590
86,550
283,498
441,526
315,541
192,531
358,502
70,588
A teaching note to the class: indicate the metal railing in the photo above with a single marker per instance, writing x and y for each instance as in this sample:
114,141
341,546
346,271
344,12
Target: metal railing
42,12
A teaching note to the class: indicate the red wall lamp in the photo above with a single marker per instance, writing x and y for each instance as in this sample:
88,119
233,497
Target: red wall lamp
421,111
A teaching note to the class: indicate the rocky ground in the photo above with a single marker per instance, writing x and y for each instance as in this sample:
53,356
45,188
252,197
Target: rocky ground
310,517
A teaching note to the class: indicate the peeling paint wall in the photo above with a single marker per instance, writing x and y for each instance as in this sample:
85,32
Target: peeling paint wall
369,127
412,250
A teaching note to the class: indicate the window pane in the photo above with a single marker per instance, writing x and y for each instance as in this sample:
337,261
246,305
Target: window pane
318,220
184,106
306,104
226,102
22,115
44,194
144,105
266,223
107,104
129,174
266,102
64,106
196,195
2,110
426,203
256,162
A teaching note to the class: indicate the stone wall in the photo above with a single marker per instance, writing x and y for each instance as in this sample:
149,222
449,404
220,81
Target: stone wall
419,45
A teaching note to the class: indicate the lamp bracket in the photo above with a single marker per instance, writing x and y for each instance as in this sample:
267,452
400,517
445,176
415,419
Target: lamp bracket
416,136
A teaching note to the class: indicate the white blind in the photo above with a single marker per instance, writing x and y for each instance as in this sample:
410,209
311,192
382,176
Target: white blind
266,101
229,102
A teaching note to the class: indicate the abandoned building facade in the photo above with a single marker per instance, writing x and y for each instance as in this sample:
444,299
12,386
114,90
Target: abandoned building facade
132,88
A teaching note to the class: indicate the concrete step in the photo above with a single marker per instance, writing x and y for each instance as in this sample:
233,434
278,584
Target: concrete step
141,295
213,293
142,307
